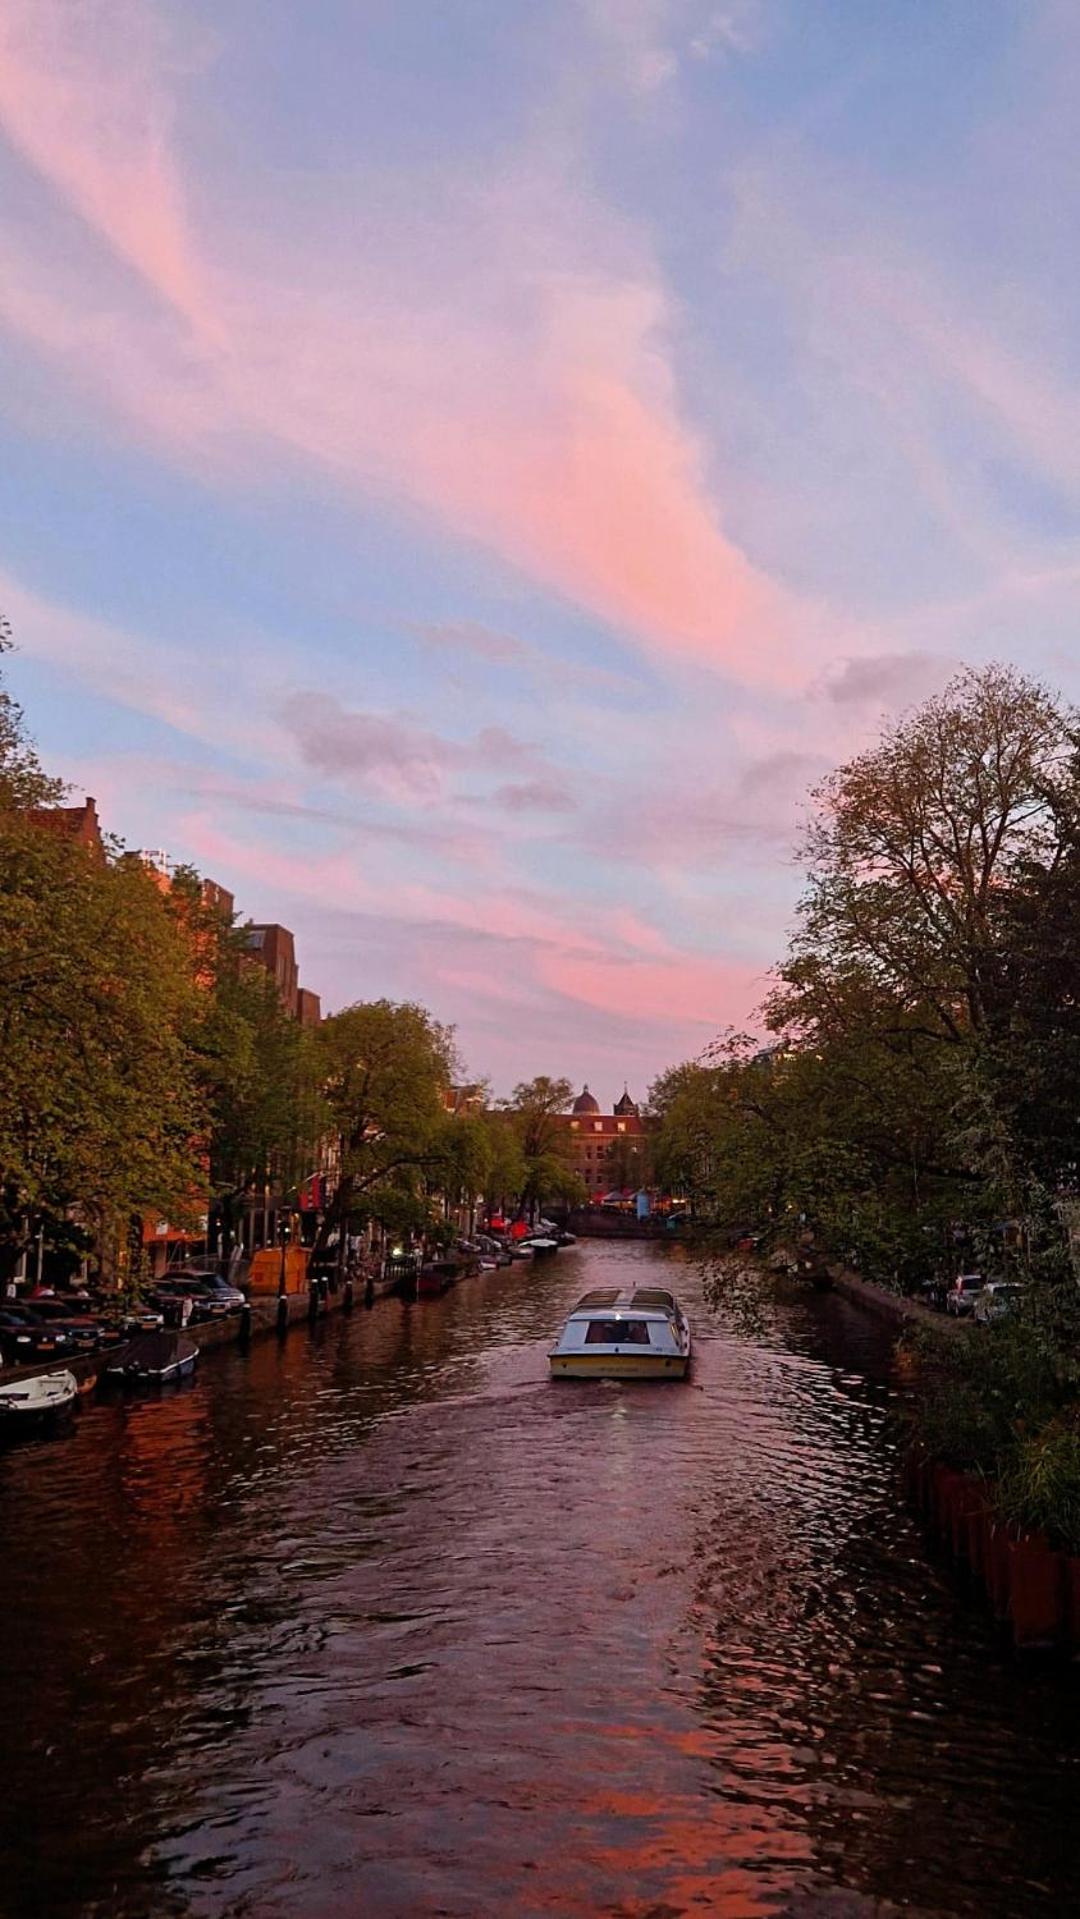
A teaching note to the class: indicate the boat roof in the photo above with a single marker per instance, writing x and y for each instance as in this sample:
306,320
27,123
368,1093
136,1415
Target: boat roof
626,1299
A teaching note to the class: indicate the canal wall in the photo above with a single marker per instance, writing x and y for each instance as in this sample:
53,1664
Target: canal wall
892,1306
1032,1588
265,1315
586,1223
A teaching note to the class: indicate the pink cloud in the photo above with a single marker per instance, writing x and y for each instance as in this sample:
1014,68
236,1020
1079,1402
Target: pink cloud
87,97
705,993
533,411
116,663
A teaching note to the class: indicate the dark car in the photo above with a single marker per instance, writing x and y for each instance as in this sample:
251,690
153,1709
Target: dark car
86,1331
211,1296
24,1338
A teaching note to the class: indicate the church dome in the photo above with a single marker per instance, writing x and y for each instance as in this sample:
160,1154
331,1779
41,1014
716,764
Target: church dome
626,1106
585,1103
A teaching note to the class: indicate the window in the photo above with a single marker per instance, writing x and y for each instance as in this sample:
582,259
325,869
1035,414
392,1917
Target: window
617,1332
574,1125
598,1125
622,1126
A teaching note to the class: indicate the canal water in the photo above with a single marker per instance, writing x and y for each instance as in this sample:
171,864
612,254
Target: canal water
384,1622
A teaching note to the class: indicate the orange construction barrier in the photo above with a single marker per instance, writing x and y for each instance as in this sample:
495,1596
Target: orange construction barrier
264,1275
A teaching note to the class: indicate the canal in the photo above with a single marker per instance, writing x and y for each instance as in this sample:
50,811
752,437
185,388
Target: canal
381,1621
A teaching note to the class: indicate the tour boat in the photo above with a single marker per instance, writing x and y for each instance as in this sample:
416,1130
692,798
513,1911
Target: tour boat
624,1333
155,1359
39,1397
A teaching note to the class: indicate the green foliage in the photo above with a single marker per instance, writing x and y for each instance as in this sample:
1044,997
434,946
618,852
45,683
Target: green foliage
99,1107
381,1070
253,1063
627,1162
546,1174
926,1082
1039,1487
23,784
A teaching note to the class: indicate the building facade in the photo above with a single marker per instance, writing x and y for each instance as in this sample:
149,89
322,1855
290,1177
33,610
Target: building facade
607,1150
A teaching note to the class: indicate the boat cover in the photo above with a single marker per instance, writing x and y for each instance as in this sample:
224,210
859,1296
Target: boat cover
156,1352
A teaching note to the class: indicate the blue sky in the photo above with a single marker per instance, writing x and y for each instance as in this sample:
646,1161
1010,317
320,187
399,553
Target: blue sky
467,471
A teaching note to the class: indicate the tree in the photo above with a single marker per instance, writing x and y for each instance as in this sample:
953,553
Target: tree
23,784
253,1062
382,1068
913,849
99,1110
506,1174
626,1162
534,1109
464,1152
536,1105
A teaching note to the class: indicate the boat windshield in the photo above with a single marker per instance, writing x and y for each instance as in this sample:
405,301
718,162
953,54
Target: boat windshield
617,1332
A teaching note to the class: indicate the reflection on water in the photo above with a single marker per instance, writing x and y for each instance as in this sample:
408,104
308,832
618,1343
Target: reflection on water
383,1621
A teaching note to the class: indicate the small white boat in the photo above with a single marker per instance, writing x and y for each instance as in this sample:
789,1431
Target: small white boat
541,1245
25,1400
624,1333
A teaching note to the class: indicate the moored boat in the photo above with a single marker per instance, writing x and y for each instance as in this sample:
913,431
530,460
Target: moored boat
155,1359
624,1333
42,1396
437,1274
542,1247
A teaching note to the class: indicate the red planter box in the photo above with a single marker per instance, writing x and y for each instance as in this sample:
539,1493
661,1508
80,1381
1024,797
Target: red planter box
1036,1592
1072,1603
969,1502
997,1569
979,1524
1029,1585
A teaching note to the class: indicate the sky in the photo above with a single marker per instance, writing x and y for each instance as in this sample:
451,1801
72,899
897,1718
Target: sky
469,469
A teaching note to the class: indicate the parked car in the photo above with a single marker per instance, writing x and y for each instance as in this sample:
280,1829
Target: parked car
144,1318
224,1292
24,1338
85,1331
211,1297
998,1300
962,1294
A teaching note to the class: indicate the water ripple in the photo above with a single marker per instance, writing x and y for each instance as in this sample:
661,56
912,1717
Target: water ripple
383,1621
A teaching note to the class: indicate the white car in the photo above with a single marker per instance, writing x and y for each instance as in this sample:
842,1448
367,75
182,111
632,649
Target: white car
962,1294
997,1301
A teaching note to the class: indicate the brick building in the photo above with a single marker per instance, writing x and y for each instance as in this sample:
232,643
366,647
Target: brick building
274,947
78,823
606,1149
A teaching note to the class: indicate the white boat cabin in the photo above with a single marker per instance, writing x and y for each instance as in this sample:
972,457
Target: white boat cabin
624,1333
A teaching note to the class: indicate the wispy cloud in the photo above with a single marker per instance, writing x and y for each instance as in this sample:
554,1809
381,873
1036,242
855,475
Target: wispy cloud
531,408
472,638
535,796
886,679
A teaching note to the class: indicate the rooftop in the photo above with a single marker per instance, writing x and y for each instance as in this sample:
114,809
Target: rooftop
629,1299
